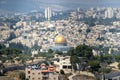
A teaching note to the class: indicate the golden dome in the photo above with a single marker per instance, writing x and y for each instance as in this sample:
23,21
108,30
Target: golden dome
60,39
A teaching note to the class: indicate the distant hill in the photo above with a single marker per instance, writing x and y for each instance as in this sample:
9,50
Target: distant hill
29,5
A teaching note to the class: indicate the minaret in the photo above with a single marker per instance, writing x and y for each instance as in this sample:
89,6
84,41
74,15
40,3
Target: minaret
110,49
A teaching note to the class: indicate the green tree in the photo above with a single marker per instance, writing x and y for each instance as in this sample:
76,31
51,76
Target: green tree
119,65
80,30
49,56
80,55
74,60
11,51
71,52
84,51
36,55
42,54
117,57
94,65
50,51
59,52
3,59
88,30
107,58
32,58
10,58
18,59
105,70
24,58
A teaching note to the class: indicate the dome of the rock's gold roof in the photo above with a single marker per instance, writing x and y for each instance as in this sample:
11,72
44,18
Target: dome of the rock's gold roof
60,39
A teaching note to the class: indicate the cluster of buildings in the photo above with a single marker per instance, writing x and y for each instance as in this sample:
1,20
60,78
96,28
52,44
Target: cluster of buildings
43,34
41,72
98,13
49,72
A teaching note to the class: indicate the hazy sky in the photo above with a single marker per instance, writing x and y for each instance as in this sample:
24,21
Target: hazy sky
27,5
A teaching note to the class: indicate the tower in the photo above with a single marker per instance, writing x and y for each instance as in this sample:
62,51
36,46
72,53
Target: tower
109,13
48,13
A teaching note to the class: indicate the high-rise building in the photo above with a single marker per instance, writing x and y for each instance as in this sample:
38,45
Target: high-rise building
48,13
109,13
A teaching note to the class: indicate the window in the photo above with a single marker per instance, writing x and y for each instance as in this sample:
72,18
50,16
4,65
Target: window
28,72
69,67
28,76
64,67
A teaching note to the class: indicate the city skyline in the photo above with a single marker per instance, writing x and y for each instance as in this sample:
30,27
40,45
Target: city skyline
58,5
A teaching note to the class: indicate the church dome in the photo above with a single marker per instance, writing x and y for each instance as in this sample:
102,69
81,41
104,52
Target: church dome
60,39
